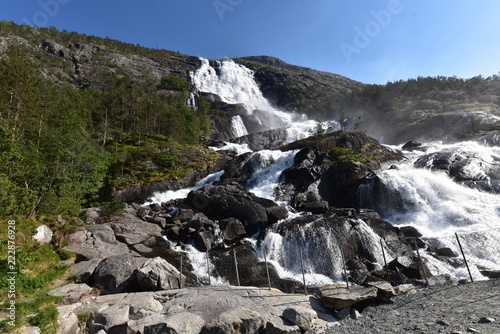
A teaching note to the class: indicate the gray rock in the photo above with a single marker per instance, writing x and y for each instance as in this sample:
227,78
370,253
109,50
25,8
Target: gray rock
158,274
281,326
315,207
236,320
71,293
43,235
180,323
91,215
115,274
338,297
110,316
31,330
277,213
232,230
95,242
300,316
384,288
486,320
82,271
67,321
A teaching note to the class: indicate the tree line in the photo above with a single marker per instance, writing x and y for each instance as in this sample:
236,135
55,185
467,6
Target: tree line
58,144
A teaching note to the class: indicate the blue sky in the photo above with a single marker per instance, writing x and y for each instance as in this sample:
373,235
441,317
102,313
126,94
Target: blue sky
373,41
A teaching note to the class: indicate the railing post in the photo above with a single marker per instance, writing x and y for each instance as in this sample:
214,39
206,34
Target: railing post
421,262
236,267
208,269
303,271
180,273
385,261
463,255
345,268
267,267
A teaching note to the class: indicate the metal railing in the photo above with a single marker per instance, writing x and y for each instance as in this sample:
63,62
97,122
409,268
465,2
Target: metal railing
465,256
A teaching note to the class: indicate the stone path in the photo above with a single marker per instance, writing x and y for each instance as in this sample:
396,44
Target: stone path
464,308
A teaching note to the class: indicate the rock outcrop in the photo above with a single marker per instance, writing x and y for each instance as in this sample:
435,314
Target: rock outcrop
468,168
332,167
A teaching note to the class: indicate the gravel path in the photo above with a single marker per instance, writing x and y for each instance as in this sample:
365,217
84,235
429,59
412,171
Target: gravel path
464,308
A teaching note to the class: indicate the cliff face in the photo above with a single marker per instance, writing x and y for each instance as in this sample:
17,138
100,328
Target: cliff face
296,88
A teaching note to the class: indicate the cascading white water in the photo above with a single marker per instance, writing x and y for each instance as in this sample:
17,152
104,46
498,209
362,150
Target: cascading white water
165,196
438,207
238,128
235,84
318,246
268,166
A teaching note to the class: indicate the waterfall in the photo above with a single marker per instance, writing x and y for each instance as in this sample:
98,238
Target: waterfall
238,128
320,246
268,166
165,196
235,84
430,201
438,207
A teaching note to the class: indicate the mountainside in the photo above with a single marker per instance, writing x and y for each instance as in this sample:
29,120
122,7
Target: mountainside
296,88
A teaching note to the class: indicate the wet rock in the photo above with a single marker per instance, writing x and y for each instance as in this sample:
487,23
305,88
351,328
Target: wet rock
239,319
232,230
182,323
95,242
277,213
92,215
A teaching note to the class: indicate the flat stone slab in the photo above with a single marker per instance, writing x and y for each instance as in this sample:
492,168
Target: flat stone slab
337,297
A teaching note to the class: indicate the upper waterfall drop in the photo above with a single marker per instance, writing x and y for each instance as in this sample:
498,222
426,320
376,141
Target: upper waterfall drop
233,84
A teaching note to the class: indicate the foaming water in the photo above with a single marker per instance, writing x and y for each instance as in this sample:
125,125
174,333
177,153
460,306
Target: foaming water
441,208
430,200
235,84
268,166
165,196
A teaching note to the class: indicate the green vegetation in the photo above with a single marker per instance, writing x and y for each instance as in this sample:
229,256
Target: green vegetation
67,140
37,267
343,154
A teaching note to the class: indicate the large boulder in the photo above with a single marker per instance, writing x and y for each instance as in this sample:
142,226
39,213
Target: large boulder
236,320
43,235
335,165
337,297
116,274
157,274
231,201
466,167
322,240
